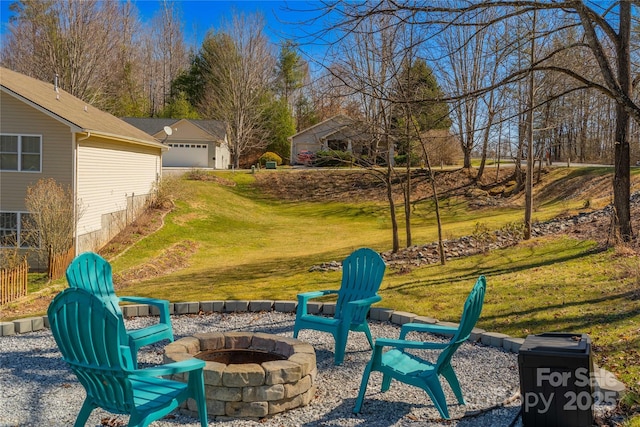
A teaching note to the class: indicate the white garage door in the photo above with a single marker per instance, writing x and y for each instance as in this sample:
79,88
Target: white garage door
186,155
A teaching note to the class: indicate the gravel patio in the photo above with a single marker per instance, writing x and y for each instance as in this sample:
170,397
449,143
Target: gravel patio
39,389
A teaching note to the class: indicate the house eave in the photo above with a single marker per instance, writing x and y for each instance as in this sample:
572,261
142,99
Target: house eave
86,133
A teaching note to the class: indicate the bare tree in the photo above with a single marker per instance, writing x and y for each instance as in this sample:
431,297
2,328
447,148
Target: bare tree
605,33
74,40
238,65
100,51
467,66
53,216
375,64
169,50
124,92
369,68
531,93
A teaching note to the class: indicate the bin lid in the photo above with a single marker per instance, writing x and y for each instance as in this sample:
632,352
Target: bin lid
559,342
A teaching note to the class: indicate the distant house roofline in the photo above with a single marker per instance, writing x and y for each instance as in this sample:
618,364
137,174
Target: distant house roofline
155,125
332,118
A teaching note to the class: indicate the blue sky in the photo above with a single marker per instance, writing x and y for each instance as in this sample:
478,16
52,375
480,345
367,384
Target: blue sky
201,15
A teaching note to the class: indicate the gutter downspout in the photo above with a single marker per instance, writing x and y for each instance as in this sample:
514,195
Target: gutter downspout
87,136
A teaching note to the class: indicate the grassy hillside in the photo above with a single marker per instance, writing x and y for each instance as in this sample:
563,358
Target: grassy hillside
236,237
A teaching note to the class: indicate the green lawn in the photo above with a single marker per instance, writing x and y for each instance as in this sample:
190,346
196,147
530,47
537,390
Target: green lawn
254,247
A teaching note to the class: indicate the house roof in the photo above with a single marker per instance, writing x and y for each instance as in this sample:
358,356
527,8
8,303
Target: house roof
215,128
340,119
153,125
74,112
342,124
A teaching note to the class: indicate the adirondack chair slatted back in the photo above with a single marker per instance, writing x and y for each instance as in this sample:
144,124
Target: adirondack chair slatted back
470,314
362,273
89,336
91,272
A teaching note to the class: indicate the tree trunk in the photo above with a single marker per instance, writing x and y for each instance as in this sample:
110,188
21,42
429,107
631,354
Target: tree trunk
622,175
407,194
392,210
528,191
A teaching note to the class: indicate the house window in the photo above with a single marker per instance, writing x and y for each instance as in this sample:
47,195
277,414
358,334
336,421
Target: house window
21,153
17,229
337,145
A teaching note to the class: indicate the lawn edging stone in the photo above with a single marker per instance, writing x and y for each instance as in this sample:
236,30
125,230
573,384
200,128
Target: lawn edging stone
285,306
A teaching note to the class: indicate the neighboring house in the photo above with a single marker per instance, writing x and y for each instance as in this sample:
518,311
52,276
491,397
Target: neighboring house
111,167
339,133
192,143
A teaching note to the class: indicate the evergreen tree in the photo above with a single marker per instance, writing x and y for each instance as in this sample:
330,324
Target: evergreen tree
417,106
279,125
290,71
179,107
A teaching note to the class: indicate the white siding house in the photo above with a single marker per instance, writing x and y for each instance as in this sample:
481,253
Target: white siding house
339,133
111,166
191,143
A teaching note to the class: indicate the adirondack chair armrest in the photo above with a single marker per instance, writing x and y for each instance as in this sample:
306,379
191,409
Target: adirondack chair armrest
304,297
425,327
162,305
172,368
402,344
366,302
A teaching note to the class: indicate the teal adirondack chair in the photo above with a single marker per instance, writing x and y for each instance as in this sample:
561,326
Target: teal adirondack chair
411,369
93,341
91,272
362,273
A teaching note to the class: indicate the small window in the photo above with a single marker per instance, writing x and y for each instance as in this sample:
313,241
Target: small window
20,153
17,229
8,229
9,152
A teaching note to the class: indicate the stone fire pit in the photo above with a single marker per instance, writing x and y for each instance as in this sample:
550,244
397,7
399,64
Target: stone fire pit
249,375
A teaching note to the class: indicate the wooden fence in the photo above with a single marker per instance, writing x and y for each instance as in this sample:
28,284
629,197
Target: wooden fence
58,263
13,282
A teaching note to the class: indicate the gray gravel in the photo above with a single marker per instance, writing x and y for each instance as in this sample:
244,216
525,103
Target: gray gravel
37,388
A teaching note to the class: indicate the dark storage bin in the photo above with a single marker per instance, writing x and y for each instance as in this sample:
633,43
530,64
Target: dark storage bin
556,371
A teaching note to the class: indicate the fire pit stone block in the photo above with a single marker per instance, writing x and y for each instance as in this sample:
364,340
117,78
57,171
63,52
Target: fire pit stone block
250,390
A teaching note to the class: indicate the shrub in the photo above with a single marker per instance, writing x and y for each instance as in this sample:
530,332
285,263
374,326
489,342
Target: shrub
514,230
10,258
333,158
164,192
483,236
270,156
52,219
401,160
197,175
